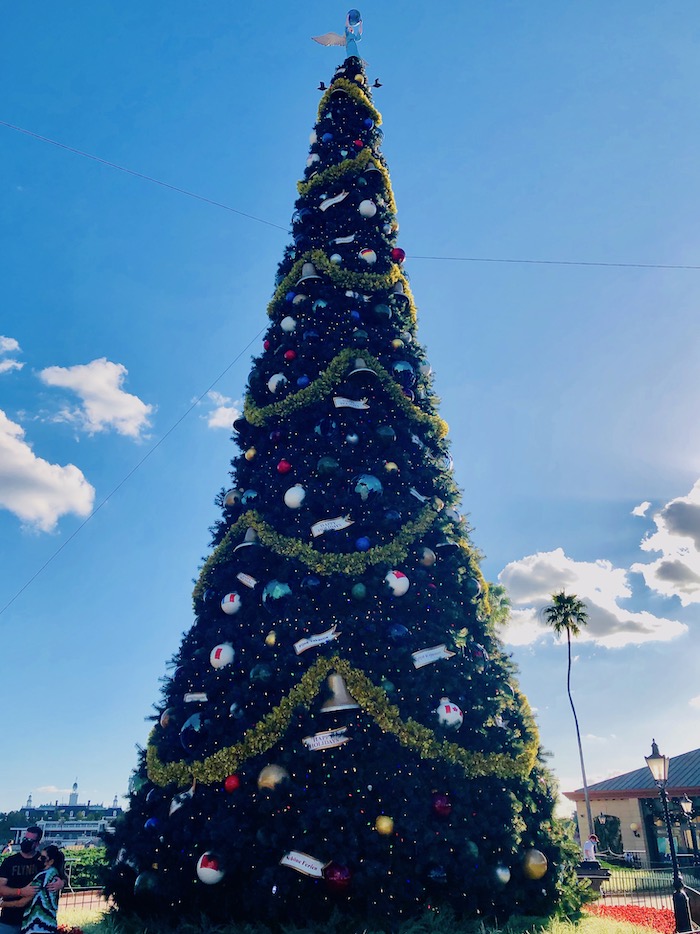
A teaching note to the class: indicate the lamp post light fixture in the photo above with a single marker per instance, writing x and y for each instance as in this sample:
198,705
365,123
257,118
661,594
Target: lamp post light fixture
658,766
687,808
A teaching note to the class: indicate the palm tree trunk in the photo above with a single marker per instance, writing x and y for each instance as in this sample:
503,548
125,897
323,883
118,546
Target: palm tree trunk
578,738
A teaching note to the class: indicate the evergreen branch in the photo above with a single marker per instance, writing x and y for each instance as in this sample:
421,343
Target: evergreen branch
353,91
350,167
372,699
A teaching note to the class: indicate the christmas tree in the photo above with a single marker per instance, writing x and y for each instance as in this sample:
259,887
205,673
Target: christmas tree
343,727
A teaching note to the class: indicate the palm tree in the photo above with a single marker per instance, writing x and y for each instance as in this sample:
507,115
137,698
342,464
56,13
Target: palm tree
567,613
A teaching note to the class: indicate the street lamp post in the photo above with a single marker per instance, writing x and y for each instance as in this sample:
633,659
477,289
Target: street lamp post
687,808
658,766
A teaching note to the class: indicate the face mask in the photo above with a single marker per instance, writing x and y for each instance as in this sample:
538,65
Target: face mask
27,846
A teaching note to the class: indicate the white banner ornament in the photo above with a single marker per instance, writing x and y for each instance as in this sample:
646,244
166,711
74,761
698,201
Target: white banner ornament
329,739
319,639
302,862
433,654
331,525
340,402
247,580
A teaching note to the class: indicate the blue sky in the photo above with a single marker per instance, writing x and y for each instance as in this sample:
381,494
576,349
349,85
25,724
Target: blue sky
542,132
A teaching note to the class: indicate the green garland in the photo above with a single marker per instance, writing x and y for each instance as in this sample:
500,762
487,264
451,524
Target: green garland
326,382
351,565
355,92
268,731
350,167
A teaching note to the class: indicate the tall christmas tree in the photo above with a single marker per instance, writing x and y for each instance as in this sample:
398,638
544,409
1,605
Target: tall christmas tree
343,726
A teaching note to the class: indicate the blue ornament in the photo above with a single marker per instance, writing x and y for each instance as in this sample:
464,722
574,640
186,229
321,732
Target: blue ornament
311,336
403,373
303,381
146,883
152,824
311,584
392,518
290,296
362,543
368,486
275,597
327,138
249,497
368,123
398,633
192,733
355,315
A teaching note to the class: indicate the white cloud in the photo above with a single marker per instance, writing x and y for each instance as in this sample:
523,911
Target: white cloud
8,345
38,492
695,702
6,366
641,510
226,411
677,538
531,581
104,404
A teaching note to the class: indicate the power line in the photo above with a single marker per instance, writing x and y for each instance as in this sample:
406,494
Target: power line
260,220
128,476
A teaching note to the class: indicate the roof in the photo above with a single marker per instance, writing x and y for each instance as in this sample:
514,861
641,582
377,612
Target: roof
683,778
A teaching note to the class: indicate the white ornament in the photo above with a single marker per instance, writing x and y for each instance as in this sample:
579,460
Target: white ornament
295,496
208,870
336,259
313,137
313,159
367,208
288,324
222,655
449,714
398,583
231,604
369,256
275,382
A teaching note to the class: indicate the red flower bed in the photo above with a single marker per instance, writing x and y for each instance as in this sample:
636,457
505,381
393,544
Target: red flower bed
659,919
62,929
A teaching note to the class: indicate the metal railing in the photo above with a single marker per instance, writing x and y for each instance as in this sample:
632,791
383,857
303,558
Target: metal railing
653,887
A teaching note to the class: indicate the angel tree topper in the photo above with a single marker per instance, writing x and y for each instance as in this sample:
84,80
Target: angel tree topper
353,34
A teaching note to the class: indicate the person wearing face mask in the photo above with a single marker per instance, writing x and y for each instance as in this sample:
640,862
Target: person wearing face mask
16,874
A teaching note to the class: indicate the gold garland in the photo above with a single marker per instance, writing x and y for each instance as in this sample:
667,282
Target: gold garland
352,90
327,381
351,565
268,731
350,167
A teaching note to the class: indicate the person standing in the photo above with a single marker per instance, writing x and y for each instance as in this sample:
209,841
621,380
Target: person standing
589,849
40,916
16,874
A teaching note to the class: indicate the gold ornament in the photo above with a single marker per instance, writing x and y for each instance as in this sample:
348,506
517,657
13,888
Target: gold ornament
250,454
384,825
390,466
272,776
534,864
271,637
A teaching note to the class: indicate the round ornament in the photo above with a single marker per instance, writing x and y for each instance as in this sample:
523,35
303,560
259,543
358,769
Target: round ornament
222,655
313,137
397,344
403,373
386,434
383,312
360,337
311,336
152,825
358,592
336,259
327,466
397,583
231,603
398,255
275,597
271,776
250,454
534,864
502,874
303,381
166,717
437,874
271,638
231,497
367,208
209,869
392,518
362,543
384,825
288,324
146,883
427,557
260,674
391,466
313,159
449,715
368,123
368,487
337,878
231,783
275,382
290,355
441,804
398,633
249,497
311,584
327,138
284,466
192,732
369,256
352,438
295,496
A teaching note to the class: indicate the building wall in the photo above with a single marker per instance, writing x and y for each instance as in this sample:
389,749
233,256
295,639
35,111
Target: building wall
627,810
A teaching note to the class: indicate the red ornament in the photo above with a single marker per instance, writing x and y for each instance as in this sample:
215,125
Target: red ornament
290,355
337,878
232,783
442,806
358,144
398,255
284,466
266,344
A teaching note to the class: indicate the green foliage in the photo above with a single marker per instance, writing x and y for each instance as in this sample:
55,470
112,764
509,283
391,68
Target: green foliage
87,866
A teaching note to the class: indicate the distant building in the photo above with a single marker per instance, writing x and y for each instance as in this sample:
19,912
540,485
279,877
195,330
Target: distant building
72,824
633,800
